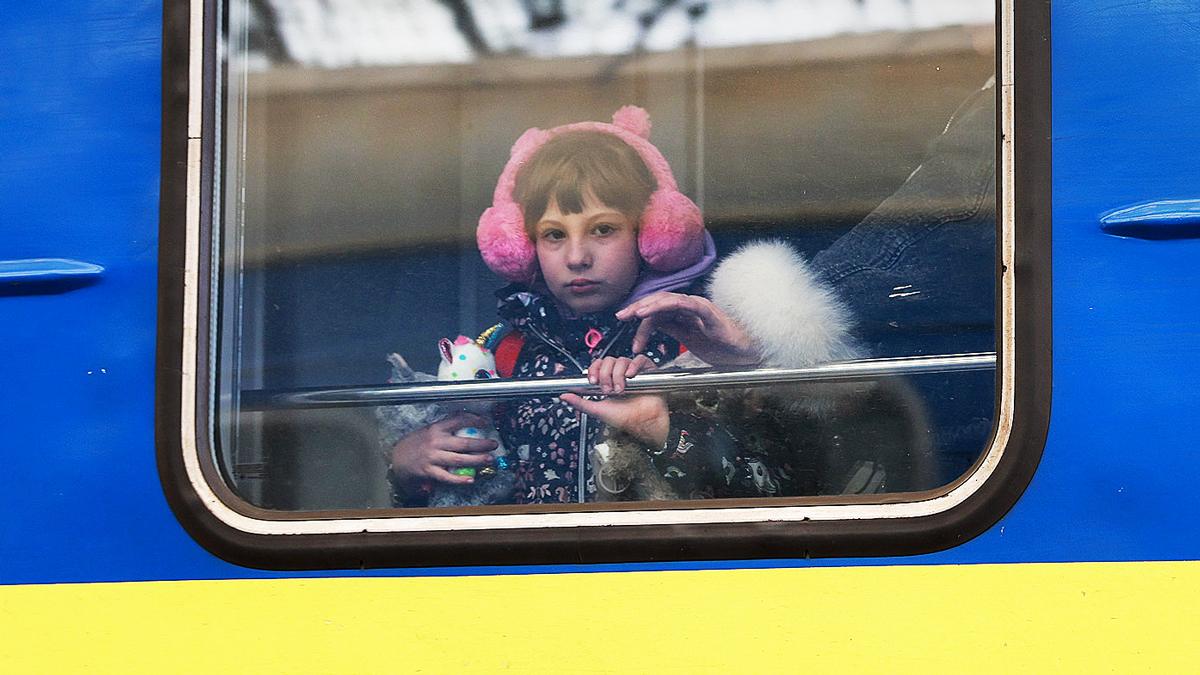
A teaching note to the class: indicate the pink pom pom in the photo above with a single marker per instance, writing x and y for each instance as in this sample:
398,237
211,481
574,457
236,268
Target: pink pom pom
672,233
633,119
463,340
503,242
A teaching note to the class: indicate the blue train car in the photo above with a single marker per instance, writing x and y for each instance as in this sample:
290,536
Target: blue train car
218,217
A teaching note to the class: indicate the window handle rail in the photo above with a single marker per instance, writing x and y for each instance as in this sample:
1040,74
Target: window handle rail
43,276
652,382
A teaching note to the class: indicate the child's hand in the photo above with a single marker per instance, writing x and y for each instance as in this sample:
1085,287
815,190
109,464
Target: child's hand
431,453
706,330
611,372
644,417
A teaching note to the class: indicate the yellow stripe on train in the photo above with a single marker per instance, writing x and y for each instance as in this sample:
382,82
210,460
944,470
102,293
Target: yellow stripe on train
998,618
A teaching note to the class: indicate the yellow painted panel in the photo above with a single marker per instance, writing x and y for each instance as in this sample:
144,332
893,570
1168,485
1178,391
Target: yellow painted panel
1073,617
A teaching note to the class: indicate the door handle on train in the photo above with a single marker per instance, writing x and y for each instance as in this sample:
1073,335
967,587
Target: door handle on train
44,276
1162,219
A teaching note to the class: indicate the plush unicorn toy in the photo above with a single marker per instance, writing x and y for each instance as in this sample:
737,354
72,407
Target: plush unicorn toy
462,360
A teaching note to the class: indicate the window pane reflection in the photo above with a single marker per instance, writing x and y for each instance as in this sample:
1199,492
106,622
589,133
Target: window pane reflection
362,141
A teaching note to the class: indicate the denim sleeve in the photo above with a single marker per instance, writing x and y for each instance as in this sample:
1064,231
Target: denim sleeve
919,275
919,271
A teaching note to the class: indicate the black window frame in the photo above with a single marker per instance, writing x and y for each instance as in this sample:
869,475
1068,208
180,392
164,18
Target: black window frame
189,151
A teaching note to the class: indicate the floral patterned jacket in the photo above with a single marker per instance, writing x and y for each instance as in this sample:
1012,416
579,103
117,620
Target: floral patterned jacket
706,455
545,434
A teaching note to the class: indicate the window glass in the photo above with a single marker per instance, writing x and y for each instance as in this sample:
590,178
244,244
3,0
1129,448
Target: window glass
380,196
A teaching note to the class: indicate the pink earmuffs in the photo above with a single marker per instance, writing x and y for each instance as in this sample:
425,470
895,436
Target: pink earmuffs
670,234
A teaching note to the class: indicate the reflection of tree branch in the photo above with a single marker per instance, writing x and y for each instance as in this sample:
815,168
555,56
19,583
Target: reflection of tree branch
646,23
264,34
650,18
464,20
545,14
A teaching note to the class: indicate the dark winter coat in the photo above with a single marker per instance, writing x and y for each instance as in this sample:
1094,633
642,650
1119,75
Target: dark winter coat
766,441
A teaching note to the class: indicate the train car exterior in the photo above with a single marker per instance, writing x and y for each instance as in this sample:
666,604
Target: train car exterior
1079,557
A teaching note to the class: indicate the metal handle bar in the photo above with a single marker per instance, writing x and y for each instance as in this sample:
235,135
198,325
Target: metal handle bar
443,392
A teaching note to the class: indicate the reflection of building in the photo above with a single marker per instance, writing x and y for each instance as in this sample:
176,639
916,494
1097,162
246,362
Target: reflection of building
813,132
349,33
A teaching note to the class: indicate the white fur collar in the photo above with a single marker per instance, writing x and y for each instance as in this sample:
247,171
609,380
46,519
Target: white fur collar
796,320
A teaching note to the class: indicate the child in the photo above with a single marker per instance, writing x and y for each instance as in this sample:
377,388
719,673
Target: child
589,226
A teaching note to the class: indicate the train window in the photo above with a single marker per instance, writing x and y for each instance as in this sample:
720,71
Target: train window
469,268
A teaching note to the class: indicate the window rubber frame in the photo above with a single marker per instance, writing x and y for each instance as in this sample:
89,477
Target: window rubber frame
247,535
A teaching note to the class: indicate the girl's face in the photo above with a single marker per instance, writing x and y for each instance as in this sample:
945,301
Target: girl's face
589,260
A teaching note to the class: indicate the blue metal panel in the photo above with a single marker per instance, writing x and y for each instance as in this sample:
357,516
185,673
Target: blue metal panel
1115,479
79,133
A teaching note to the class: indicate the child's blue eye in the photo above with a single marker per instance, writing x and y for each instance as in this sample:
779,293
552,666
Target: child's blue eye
553,235
605,228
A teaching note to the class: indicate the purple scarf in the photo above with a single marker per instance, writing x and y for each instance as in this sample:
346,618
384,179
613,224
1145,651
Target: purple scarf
653,282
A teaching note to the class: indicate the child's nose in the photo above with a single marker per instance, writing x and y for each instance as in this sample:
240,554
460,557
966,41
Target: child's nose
579,255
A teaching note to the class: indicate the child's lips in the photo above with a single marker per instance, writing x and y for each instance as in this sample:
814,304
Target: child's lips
582,285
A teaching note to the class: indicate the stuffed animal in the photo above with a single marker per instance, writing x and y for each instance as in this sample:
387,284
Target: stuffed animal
462,360
623,468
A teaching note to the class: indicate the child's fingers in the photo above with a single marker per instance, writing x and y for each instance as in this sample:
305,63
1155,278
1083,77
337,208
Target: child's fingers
642,337
583,405
471,445
605,374
629,311
442,475
639,364
618,374
676,315
635,309
443,458
594,371
660,303
651,310
690,311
